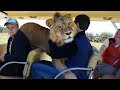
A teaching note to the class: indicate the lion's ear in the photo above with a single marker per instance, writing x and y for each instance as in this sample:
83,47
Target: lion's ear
57,14
68,15
49,22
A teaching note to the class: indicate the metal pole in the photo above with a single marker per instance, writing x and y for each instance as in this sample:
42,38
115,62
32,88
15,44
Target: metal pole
115,26
75,68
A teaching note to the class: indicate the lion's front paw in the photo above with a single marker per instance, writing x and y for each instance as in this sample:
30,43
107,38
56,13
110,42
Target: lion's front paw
70,75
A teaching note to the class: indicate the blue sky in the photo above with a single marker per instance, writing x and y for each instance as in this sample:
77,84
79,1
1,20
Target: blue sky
96,27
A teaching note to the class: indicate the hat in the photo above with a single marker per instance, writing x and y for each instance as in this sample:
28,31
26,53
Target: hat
11,21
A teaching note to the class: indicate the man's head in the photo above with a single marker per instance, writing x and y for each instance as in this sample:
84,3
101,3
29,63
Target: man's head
12,26
82,21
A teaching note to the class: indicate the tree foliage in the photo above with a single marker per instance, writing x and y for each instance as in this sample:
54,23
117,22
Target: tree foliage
105,35
90,36
101,37
2,29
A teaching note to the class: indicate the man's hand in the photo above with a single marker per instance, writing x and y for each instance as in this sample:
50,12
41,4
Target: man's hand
2,58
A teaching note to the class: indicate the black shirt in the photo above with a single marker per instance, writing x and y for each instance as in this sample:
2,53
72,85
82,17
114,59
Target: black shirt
19,50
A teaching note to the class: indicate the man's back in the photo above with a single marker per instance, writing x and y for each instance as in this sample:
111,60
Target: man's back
83,54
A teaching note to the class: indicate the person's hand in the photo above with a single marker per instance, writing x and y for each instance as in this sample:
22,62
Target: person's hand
2,58
70,75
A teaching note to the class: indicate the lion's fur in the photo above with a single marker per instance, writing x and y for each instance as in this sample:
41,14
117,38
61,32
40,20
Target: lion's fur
37,35
60,25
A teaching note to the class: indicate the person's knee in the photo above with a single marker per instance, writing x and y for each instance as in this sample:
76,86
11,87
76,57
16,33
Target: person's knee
96,74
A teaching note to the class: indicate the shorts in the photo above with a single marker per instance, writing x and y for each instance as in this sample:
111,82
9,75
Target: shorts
104,68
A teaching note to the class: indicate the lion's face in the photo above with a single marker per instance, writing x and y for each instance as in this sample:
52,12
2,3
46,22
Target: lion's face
62,29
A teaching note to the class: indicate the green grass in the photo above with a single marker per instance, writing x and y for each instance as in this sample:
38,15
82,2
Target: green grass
3,38
97,45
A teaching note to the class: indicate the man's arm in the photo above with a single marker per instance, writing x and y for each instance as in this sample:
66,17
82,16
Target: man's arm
20,50
104,46
64,51
2,58
102,49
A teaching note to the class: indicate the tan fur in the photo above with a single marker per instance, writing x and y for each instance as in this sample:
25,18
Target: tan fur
38,35
60,25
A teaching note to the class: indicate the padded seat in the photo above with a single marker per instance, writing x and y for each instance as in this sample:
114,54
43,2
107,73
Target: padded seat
95,57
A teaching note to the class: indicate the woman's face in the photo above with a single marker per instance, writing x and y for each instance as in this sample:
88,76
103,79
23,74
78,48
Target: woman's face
117,36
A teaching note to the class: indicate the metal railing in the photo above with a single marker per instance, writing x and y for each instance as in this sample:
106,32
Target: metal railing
14,62
76,68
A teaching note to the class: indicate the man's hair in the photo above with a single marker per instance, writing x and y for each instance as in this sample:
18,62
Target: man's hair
83,20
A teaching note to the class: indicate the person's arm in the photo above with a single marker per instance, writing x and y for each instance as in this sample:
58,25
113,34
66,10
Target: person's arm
2,59
20,50
104,46
102,49
64,51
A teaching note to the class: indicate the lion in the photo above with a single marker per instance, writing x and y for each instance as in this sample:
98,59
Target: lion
58,26
62,31
37,35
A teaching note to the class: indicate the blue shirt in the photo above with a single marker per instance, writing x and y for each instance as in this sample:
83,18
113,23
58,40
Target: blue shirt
81,58
78,53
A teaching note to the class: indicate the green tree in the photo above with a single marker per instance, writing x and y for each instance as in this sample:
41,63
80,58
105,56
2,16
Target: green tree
105,35
90,36
2,29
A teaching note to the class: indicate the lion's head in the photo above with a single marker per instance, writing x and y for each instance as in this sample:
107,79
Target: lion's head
62,28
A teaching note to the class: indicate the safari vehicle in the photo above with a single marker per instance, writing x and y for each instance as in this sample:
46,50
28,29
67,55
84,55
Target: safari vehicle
38,53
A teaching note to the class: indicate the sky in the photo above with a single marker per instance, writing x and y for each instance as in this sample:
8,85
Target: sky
96,27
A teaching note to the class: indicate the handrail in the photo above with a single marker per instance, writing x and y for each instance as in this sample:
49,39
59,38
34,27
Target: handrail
75,68
12,62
